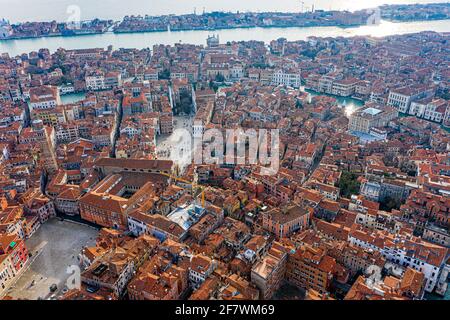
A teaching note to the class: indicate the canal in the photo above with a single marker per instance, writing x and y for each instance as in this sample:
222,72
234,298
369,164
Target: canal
148,39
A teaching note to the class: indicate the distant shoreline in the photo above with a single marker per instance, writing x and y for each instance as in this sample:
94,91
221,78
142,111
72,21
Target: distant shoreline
342,26
52,36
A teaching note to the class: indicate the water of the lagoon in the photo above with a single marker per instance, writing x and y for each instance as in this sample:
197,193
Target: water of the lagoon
72,97
144,40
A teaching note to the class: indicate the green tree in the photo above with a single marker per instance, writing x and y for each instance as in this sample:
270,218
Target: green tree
220,78
349,184
390,203
164,75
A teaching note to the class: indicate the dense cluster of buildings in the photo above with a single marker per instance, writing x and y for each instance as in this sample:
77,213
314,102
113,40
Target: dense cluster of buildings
422,11
383,80
230,20
338,209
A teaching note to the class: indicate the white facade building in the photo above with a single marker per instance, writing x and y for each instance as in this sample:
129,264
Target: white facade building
95,82
287,78
419,256
5,29
402,98
44,97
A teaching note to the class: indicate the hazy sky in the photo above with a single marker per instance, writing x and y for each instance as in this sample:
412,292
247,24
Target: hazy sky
45,10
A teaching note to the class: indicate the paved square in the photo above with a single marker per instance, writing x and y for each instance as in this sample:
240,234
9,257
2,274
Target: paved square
166,145
55,246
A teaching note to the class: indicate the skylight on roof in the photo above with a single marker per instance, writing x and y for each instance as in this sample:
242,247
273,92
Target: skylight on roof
372,111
